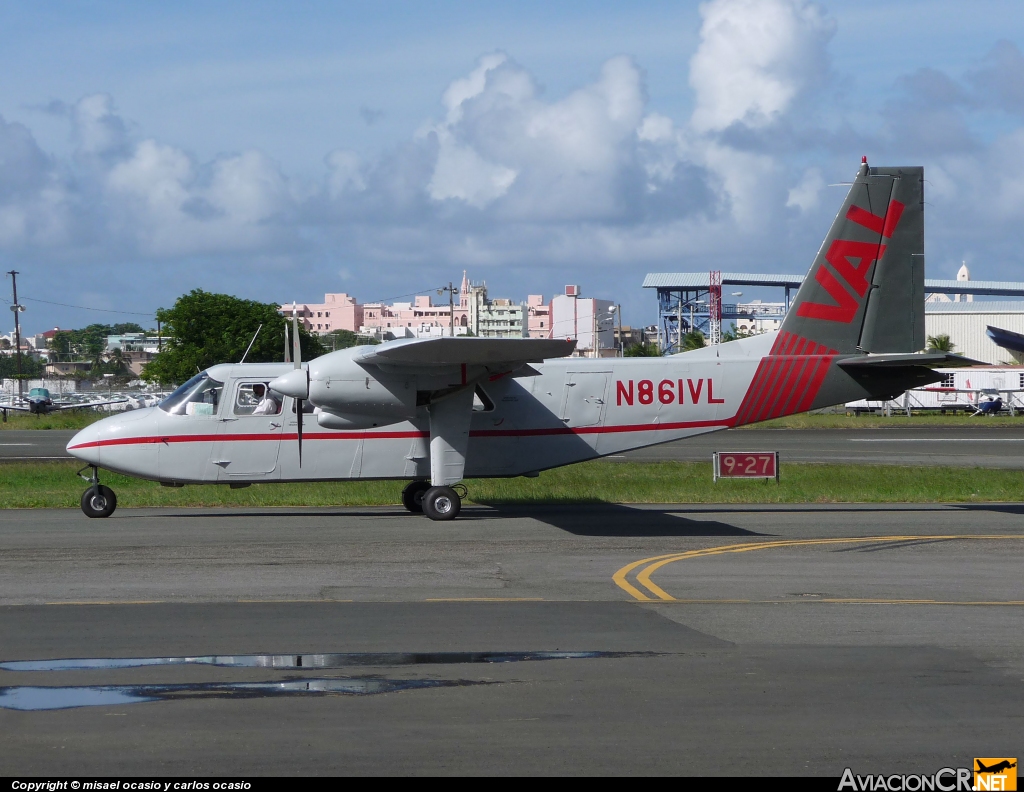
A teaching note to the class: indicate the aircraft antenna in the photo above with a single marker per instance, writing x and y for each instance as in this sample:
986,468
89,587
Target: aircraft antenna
251,343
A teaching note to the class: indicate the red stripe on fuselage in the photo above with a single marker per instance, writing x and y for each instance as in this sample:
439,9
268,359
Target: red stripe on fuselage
554,430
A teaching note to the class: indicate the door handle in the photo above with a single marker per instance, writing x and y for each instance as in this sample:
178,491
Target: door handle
275,425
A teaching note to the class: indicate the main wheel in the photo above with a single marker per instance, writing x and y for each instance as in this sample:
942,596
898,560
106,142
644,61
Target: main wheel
412,496
99,504
441,503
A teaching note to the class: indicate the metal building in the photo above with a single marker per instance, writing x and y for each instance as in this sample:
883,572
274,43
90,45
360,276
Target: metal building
684,304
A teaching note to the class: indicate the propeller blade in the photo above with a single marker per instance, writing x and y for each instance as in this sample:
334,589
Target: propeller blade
296,347
298,413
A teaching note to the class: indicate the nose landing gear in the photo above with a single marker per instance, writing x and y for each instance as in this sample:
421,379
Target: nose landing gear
98,500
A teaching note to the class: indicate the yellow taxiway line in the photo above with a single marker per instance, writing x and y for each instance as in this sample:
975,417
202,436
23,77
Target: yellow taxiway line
654,563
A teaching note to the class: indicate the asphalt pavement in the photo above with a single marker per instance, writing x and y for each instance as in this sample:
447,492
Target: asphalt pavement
712,640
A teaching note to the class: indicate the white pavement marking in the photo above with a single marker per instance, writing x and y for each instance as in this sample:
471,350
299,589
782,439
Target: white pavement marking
937,440
5,445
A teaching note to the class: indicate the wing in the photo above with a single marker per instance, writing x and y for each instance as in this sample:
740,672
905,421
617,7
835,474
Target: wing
15,409
490,352
85,405
902,360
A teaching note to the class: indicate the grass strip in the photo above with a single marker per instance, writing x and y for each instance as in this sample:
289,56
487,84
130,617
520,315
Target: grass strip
54,485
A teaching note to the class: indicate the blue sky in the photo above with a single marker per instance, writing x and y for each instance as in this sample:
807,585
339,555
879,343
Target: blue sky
279,151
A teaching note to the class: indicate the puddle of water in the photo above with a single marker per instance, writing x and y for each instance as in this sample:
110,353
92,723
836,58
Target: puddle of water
293,661
51,698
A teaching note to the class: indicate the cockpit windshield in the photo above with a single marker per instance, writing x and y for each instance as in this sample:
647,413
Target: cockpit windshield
199,396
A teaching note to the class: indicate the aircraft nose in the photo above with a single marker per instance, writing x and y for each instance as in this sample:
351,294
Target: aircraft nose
86,444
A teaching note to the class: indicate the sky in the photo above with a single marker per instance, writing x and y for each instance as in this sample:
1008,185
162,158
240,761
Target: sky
281,151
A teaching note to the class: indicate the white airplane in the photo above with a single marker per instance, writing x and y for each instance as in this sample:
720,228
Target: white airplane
40,402
435,411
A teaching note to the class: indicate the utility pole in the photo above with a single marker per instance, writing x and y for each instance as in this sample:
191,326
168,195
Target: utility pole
17,330
451,303
622,344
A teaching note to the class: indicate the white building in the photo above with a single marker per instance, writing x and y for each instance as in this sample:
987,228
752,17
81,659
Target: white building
967,323
588,320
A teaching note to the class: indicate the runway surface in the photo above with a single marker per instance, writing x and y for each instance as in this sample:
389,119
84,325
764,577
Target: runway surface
958,446
973,446
726,640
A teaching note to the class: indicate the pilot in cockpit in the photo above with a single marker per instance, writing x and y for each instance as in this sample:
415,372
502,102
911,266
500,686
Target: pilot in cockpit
268,405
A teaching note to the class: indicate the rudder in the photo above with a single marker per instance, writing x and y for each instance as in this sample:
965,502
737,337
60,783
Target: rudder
865,290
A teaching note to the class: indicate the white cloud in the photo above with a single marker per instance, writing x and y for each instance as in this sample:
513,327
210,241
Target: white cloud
98,129
807,192
594,180
755,58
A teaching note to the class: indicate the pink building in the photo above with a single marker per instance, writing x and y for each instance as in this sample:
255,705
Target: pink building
538,317
336,312
474,313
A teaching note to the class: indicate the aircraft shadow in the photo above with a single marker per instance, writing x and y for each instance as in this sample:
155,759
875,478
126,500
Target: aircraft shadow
612,519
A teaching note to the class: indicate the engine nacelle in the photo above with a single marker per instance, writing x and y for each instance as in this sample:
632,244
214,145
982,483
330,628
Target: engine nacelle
351,393
329,420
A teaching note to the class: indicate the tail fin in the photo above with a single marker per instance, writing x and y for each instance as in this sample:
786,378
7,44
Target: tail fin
865,290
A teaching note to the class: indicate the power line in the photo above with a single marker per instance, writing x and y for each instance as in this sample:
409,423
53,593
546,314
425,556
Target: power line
398,296
87,308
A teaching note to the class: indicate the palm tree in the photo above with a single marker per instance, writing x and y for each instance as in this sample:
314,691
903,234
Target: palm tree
693,340
120,359
940,343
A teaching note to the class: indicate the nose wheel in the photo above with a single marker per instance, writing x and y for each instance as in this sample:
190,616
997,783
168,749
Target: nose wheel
441,503
99,500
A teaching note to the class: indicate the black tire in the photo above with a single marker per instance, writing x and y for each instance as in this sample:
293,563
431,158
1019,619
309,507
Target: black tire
101,504
412,495
441,503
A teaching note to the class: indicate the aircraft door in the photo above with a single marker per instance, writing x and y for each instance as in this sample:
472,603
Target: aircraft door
585,396
253,426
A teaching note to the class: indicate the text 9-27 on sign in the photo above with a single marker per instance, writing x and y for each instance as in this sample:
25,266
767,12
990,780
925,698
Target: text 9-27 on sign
739,464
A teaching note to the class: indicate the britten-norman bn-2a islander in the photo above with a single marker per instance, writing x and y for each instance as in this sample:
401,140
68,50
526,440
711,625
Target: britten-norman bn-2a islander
434,411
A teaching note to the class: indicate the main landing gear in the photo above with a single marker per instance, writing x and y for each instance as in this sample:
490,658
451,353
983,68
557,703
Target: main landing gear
438,503
98,500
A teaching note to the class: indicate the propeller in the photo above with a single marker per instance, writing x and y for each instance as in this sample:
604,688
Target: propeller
296,382
297,357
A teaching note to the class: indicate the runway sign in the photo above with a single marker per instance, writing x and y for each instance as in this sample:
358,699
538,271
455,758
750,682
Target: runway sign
739,464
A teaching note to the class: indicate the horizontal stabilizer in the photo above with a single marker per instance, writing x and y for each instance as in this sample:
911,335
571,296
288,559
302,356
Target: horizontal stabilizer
901,360
467,351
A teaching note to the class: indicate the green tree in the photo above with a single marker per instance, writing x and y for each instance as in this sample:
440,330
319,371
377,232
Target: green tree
642,350
119,361
30,367
734,333
693,340
940,343
203,329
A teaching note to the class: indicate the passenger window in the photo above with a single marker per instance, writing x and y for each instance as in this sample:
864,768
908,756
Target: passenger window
256,398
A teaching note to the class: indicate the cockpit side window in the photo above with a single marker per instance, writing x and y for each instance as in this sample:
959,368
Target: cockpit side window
256,398
199,396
